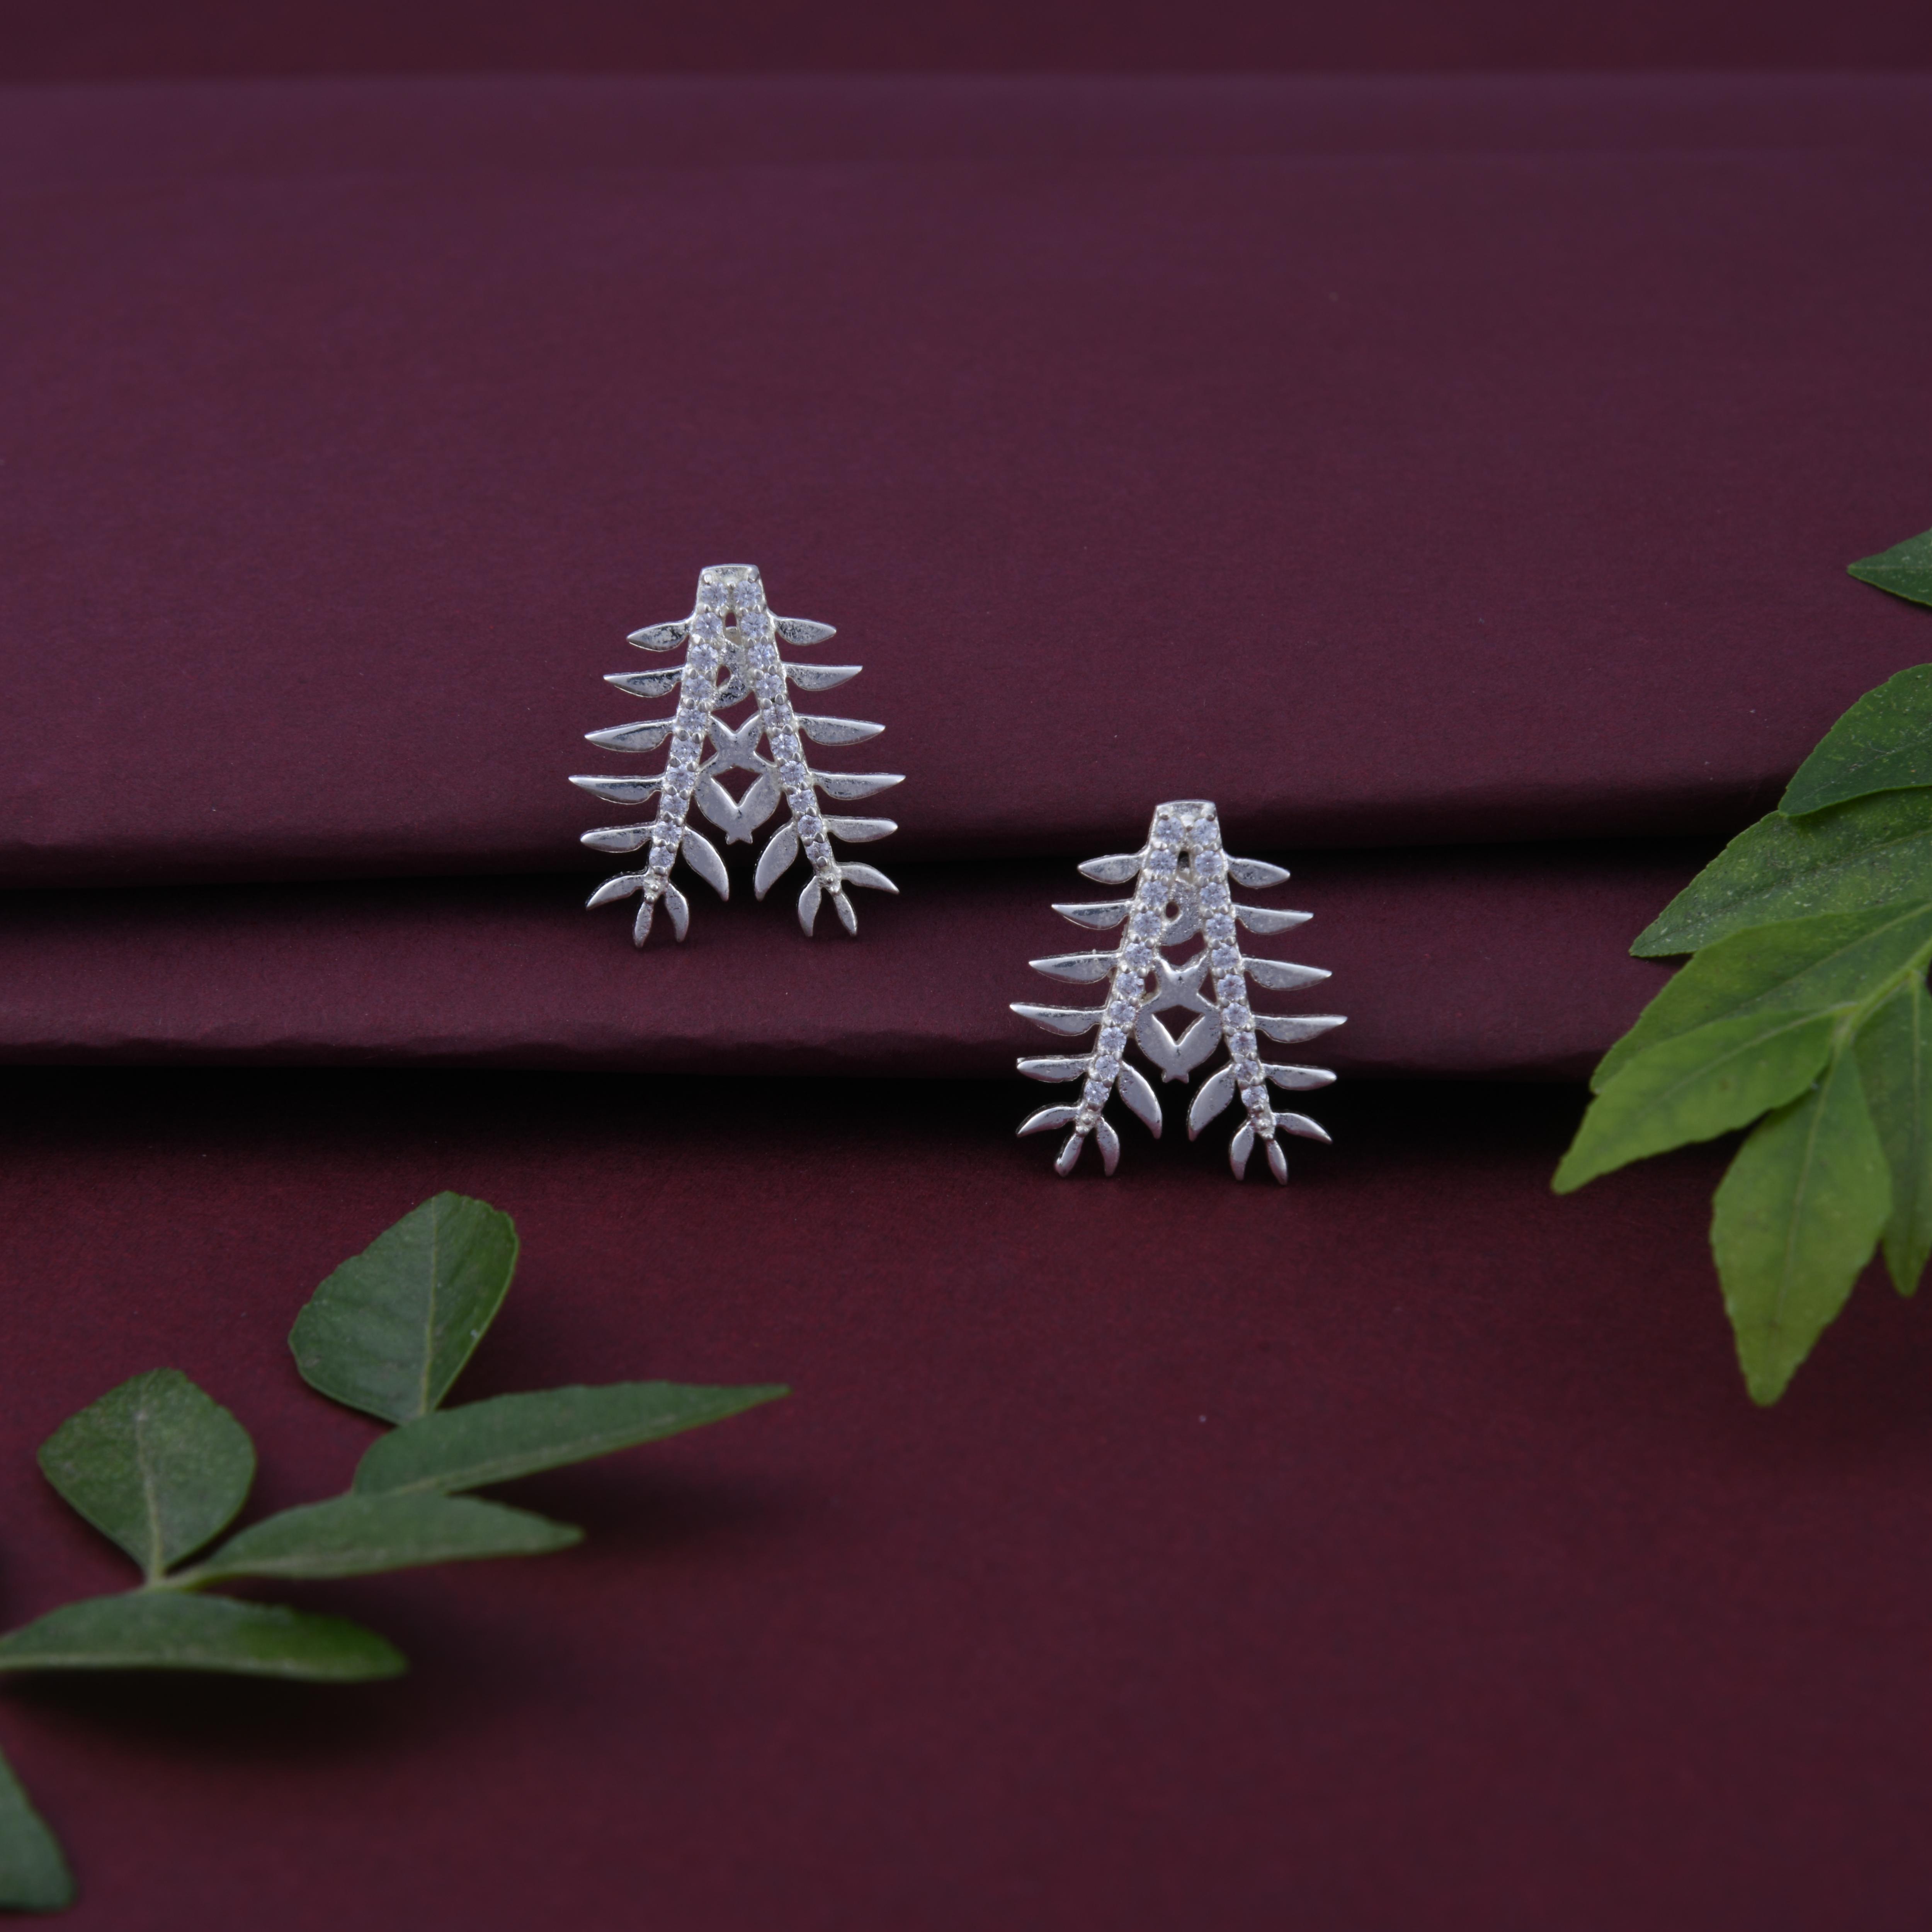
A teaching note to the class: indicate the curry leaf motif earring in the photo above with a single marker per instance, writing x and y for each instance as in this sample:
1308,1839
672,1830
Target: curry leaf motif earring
731,655
1183,890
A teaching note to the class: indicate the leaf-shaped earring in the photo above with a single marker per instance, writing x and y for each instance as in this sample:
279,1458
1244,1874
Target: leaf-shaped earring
731,655
1184,891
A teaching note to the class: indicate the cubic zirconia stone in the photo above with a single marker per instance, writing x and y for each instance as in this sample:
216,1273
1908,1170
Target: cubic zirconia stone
1234,1013
1160,861
1226,958
1112,1039
1145,925
1094,1094
1215,895
1211,864
1248,1073
1137,955
1084,1120
818,852
1106,1065
791,773
1219,925
1254,1096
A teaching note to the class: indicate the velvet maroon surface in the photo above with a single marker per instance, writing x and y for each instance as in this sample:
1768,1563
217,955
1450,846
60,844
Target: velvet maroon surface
1417,494
1396,1550
95,39
1511,961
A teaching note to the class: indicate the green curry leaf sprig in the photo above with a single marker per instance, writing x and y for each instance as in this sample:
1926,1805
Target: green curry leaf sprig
162,1470
1803,1008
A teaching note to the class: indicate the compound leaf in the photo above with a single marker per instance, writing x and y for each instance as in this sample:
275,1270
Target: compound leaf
1800,964
1795,1221
154,1464
1883,743
33,1877
1696,1086
511,1436
1873,851
165,1630
1894,1054
359,1535
1905,570
389,1331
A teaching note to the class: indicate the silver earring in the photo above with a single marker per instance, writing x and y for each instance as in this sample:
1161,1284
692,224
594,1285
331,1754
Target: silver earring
732,654
1183,890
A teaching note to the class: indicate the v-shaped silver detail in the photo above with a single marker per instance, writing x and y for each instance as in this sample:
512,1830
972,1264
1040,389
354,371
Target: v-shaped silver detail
731,654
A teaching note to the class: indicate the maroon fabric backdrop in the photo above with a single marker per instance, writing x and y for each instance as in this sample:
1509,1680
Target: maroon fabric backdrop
1382,497
1396,461
1397,1550
97,39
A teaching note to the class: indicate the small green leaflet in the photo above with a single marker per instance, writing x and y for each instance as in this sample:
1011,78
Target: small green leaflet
1874,851
155,1465
165,1630
1697,1086
1883,743
388,1332
1895,1050
510,1436
33,1877
356,1536
1803,1002
1795,1220
1905,570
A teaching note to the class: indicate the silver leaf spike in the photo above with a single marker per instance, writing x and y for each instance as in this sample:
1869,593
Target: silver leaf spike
1263,920
1056,1066
701,856
1059,1019
621,887
1097,917
616,838
781,849
848,786
645,737
660,637
820,677
838,731
1182,874
1114,871
1047,1118
1081,968
646,683
731,656
802,632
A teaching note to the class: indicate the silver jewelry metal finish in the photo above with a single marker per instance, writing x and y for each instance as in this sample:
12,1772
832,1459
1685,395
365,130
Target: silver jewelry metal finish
1183,890
732,656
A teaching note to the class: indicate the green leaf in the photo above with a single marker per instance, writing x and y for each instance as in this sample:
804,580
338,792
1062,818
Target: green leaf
163,1629
1802,965
1699,1084
1796,1218
1883,743
1895,1051
155,1465
356,1536
1874,851
33,1877
1905,570
518,1435
388,1332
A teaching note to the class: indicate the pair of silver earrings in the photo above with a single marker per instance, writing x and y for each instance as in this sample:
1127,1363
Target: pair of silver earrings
1182,880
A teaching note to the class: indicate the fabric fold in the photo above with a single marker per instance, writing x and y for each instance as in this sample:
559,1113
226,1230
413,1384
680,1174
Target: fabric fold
1509,962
